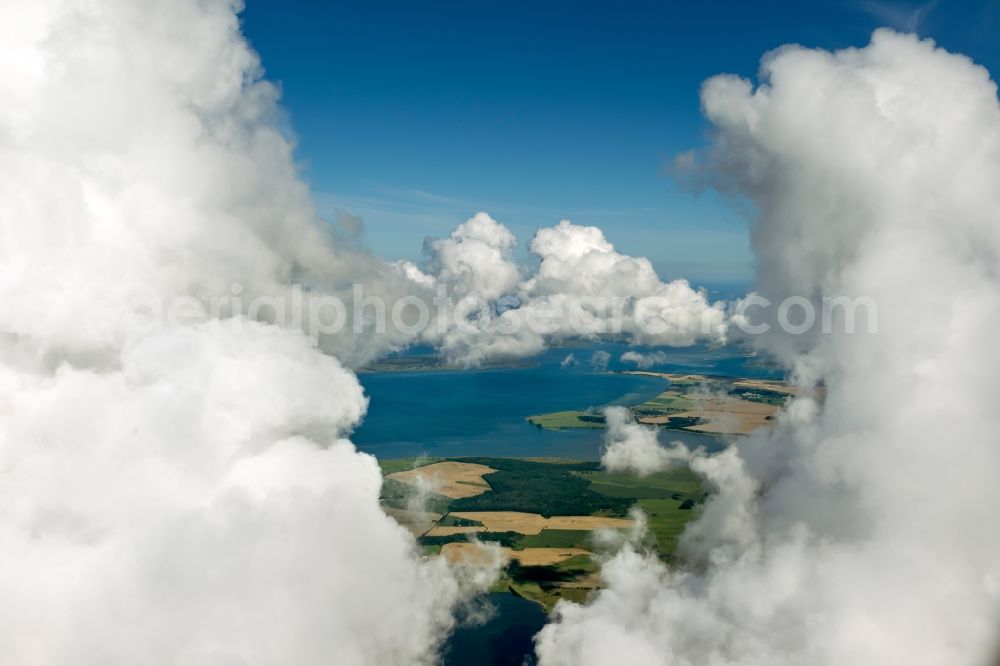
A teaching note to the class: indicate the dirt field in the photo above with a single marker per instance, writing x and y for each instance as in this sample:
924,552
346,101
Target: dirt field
725,416
451,479
538,557
472,554
532,523
730,416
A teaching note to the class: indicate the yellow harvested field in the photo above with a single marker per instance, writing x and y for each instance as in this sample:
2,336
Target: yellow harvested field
451,479
532,523
730,416
506,521
724,415
540,557
472,554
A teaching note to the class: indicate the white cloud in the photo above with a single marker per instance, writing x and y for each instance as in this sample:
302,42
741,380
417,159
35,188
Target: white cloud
644,360
599,360
582,288
578,263
858,530
633,447
186,494
476,259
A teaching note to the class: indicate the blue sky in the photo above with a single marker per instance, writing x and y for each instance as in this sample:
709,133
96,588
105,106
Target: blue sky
415,115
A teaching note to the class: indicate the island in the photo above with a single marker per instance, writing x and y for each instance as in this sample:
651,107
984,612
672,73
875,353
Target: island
695,403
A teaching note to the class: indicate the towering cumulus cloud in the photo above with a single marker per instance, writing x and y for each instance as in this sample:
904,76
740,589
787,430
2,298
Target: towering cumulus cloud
633,447
583,288
178,494
861,530
476,259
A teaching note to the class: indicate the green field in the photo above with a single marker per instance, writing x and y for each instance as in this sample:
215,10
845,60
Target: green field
668,402
580,562
570,419
546,585
666,523
660,496
677,483
671,401
557,539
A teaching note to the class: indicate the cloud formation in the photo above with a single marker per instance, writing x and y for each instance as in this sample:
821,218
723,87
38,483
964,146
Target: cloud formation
860,529
583,288
183,494
476,259
579,265
188,495
633,447
644,361
185,491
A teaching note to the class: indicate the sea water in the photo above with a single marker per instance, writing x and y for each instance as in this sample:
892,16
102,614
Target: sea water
484,412
505,639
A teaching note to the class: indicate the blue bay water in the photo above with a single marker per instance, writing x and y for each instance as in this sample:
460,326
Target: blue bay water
484,412
506,639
